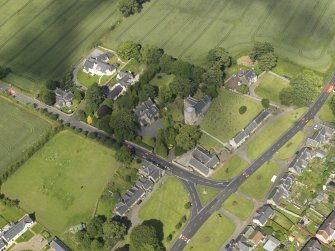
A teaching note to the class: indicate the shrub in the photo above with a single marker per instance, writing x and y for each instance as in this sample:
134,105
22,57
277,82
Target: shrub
242,109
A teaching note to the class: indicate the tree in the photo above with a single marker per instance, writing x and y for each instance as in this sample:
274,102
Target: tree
213,76
164,94
84,239
160,147
94,98
123,125
219,56
113,232
129,7
242,109
129,49
188,136
211,91
182,69
103,124
259,49
48,97
4,71
244,89
303,89
197,73
96,245
265,103
182,87
151,54
165,63
147,91
94,227
124,155
267,61
52,84
144,238
332,104
188,205
127,101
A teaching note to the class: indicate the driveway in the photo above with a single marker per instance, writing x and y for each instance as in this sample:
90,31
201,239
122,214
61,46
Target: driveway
34,244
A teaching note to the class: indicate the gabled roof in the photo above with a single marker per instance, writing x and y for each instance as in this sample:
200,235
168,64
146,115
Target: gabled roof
275,195
115,92
271,244
150,170
312,245
58,245
328,226
265,213
17,228
239,137
198,105
202,160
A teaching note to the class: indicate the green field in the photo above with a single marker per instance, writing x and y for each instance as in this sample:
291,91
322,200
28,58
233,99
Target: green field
9,214
288,150
43,39
239,206
326,113
20,129
270,86
189,29
206,194
272,132
164,206
259,183
230,169
223,119
62,182
213,234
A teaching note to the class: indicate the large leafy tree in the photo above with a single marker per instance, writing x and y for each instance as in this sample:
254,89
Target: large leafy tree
144,238
4,71
188,136
259,49
213,76
94,98
267,61
219,56
129,7
332,105
182,87
124,155
128,50
113,232
123,125
151,54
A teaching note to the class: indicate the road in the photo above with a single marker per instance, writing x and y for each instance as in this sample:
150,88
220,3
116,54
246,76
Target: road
196,222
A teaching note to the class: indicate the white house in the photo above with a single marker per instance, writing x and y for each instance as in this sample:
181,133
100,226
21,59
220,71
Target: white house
99,66
17,229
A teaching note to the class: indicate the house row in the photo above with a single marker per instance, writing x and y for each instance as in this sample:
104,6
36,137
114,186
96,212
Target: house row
99,65
194,109
282,191
243,135
150,174
312,245
203,161
124,80
146,113
322,136
15,231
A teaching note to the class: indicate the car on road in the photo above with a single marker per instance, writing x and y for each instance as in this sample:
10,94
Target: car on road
184,238
245,174
329,88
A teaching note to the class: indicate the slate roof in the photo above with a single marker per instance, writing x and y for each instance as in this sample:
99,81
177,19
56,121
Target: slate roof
115,92
198,105
17,228
300,162
58,245
312,245
321,136
146,112
99,65
265,213
203,161
66,95
151,171
328,226
144,183
275,195
271,244
240,137
2,244
104,57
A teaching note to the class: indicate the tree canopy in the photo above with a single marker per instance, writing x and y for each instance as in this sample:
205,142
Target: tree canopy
188,136
182,87
144,238
219,56
267,61
129,49
129,7
93,99
4,71
123,125
259,49
151,54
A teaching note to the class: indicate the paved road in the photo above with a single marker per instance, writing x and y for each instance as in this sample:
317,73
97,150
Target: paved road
196,222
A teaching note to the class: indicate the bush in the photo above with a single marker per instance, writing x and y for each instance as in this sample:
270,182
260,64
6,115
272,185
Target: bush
265,103
188,205
244,89
179,151
178,226
242,109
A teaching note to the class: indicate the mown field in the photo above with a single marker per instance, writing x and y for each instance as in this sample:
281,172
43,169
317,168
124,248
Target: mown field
20,129
42,39
223,119
190,28
62,182
239,206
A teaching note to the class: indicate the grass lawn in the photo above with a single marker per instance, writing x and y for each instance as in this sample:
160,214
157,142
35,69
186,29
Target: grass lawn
288,150
259,183
282,220
21,128
230,169
239,206
270,86
37,228
206,194
272,132
45,39
223,120
9,214
87,80
209,143
25,237
162,79
134,67
164,206
213,234
326,113
208,24
176,110
62,182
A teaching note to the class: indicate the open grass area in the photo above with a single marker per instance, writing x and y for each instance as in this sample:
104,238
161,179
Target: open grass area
164,207
223,119
239,206
272,132
230,169
9,214
87,79
206,194
189,29
270,87
259,183
209,143
288,150
62,182
25,237
162,79
213,234
326,113
21,128
42,39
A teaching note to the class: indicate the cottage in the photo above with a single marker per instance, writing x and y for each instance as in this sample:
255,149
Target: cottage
322,136
300,162
203,161
256,237
275,196
239,139
151,171
243,77
326,232
144,183
271,244
264,214
57,245
194,109
63,98
18,229
146,113
99,65
312,245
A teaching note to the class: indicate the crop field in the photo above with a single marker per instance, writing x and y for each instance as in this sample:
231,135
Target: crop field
190,28
62,182
223,119
42,39
20,129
